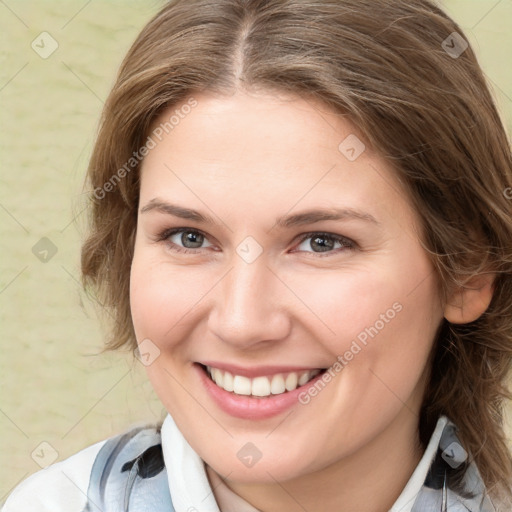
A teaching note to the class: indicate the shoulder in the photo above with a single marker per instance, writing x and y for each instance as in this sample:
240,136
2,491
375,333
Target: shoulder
69,485
60,486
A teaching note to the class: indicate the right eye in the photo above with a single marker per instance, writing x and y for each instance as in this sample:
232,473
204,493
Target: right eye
191,239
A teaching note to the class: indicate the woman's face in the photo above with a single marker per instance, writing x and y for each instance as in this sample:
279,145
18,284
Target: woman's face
255,282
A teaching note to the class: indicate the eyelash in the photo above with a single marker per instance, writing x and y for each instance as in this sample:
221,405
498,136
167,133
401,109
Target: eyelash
346,242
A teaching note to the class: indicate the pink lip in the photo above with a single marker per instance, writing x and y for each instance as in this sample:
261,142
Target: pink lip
247,407
256,371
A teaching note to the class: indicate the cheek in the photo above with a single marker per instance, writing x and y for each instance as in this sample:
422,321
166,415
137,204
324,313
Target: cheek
384,320
380,299
162,295
380,320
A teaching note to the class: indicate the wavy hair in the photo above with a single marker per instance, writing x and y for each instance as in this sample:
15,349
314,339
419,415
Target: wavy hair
417,93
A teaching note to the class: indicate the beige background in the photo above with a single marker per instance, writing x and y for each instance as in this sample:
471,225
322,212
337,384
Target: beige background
54,389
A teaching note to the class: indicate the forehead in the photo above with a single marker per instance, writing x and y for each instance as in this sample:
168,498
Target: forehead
243,149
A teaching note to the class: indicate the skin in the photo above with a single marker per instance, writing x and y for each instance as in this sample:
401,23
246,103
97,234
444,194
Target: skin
246,160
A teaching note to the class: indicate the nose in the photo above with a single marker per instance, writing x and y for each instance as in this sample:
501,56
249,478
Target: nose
250,305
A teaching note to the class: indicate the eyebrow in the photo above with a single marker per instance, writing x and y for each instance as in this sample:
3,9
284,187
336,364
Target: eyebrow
296,219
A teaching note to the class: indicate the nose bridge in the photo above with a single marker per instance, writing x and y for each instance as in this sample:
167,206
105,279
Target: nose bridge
247,284
247,307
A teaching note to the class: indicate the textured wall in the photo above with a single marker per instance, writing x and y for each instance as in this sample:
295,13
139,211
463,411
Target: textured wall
54,389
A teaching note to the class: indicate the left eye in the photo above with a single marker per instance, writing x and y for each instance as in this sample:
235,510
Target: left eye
325,242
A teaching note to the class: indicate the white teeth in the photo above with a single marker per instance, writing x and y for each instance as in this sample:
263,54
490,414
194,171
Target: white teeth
241,385
217,376
291,381
228,381
277,385
304,378
260,386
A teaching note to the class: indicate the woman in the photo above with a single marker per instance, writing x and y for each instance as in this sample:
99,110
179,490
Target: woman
301,220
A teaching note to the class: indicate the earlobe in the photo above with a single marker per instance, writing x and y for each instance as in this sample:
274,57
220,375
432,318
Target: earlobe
469,302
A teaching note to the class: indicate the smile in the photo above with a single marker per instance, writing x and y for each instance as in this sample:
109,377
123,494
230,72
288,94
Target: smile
260,386
255,393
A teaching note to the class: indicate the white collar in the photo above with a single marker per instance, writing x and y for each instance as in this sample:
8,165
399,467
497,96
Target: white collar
406,499
188,482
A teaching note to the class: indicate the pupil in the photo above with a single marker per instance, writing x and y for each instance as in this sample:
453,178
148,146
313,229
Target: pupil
191,238
322,246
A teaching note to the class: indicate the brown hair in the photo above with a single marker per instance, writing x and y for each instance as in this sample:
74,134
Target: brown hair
426,109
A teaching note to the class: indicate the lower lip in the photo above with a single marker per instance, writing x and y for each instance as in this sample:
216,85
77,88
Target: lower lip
249,408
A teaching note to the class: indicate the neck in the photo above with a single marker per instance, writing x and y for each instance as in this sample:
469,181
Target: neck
371,479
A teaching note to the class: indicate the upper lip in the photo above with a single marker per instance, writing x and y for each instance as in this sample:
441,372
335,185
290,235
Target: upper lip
257,371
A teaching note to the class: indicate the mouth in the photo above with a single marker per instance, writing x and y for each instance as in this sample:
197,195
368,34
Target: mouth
263,386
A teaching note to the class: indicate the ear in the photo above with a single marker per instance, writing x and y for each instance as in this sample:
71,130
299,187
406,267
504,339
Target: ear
469,302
